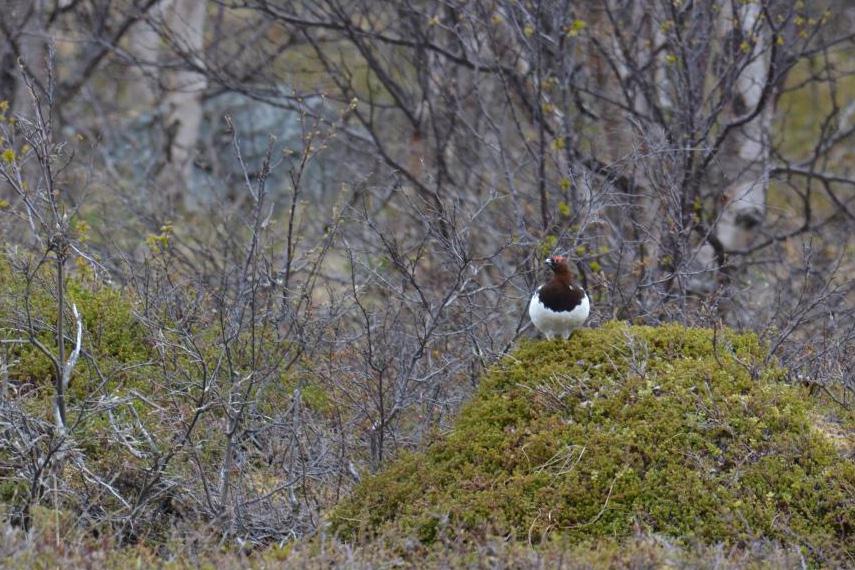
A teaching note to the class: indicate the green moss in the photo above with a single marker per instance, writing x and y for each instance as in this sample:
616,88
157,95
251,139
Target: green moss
669,430
111,334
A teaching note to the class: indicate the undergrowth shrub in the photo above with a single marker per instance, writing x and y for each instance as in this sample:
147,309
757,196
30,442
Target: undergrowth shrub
113,337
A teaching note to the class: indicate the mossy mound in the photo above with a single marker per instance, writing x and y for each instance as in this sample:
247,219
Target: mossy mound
625,429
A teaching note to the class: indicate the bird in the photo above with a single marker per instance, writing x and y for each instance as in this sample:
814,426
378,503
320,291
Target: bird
559,306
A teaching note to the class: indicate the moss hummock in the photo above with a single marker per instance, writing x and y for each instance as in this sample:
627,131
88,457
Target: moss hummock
625,429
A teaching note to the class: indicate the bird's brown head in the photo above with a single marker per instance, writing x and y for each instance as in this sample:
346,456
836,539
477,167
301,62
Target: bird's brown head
558,264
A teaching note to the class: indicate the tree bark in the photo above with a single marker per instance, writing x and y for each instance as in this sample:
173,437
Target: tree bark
185,24
745,155
144,43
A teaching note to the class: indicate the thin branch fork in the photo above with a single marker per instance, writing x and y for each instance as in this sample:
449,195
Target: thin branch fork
67,371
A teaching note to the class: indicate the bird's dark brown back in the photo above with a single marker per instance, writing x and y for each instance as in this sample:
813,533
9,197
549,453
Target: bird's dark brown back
557,295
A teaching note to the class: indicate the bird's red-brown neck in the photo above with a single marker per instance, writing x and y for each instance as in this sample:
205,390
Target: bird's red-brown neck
562,273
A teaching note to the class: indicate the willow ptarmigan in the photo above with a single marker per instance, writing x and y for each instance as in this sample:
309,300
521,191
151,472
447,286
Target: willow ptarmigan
559,306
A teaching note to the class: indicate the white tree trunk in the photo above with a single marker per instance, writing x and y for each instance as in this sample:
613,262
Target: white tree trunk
144,43
33,46
185,25
746,155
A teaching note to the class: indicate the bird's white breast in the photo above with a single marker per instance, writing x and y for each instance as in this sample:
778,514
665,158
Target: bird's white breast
559,323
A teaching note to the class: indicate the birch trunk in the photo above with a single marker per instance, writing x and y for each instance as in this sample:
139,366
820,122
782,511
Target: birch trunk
144,43
33,49
745,156
182,104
